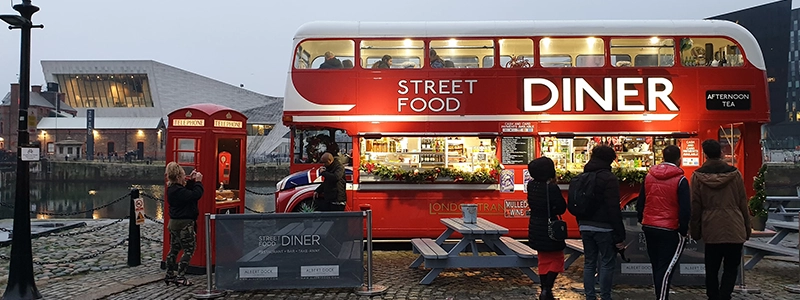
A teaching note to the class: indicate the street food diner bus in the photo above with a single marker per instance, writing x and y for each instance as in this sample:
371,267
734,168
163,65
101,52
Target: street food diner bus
429,115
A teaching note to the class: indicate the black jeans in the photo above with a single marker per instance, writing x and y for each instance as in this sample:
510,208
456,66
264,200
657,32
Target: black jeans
322,205
664,247
728,256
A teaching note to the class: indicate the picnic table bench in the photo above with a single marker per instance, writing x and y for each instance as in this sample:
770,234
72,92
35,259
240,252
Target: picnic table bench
776,207
510,252
574,250
772,247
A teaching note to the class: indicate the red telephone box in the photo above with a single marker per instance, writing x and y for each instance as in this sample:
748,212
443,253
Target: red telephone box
211,139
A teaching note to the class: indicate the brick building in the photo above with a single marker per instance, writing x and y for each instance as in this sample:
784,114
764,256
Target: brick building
140,138
43,104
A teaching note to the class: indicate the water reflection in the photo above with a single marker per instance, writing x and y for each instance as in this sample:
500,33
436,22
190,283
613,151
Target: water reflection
62,197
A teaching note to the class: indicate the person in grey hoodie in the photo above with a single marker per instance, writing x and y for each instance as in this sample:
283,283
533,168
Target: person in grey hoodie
720,218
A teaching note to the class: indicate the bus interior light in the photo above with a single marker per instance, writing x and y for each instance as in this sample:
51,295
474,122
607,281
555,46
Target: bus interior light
407,42
654,40
546,42
452,43
564,135
590,41
371,135
682,135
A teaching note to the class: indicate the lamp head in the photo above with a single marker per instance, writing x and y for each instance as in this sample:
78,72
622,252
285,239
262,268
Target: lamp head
15,20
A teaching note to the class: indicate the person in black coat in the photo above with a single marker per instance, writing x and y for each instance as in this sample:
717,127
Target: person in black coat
333,188
331,62
602,232
551,252
182,195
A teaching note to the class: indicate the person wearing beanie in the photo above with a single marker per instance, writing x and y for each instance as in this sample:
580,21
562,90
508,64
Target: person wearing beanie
602,232
551,252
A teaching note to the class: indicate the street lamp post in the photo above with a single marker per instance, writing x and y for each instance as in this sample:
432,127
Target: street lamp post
20,274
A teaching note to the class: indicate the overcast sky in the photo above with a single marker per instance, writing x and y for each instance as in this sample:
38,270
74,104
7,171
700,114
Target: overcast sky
249,42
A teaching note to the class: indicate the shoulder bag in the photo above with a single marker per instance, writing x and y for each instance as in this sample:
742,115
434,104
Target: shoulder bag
556,229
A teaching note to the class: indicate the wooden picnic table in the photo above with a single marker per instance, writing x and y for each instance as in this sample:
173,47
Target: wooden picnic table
779,204
510,252
772,247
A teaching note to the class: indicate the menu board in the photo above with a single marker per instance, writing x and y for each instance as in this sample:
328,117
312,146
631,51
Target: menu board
517,150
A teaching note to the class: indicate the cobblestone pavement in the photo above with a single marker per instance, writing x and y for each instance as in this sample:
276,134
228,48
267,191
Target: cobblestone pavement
98,246
390,270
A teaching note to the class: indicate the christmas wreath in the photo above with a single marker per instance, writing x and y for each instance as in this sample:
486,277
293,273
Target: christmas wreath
625,175
484,175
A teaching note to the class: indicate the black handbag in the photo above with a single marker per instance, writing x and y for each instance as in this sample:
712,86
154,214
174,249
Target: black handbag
556,229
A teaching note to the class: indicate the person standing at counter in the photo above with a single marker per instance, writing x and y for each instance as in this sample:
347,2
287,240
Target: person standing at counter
546,203
664,209
602,231
332,189
720,218
182,195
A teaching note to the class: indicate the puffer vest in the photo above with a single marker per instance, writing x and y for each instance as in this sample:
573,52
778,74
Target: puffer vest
661,188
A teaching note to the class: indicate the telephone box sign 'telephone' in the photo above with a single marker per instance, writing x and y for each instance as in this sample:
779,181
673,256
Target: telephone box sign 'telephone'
211,139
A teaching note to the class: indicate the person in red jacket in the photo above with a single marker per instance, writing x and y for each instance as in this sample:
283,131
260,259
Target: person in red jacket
664,209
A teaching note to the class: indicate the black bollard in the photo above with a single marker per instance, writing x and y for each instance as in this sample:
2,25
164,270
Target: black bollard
134,235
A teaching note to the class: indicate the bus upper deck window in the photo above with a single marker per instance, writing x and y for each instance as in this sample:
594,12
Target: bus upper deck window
516,53
459,53
710,52
588,52
325,54
646,52
391,54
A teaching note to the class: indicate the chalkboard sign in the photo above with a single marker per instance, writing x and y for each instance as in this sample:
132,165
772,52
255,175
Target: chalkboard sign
517,150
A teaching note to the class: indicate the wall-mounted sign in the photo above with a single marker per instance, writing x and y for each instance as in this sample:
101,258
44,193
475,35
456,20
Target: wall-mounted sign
728,100
189,122
29,154
690,152
227,124
516,127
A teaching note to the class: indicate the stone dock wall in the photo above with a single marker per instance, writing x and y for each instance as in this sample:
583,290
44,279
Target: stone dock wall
88,171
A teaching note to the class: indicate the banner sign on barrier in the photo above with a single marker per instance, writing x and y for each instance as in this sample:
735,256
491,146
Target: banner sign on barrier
285,251
690,270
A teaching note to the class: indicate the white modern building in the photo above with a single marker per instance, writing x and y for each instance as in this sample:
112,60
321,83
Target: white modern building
146,89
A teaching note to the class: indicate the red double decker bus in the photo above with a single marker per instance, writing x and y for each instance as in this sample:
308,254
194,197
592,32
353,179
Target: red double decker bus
431,115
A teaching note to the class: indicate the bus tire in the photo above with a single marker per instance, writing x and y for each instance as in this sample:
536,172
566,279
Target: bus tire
297,207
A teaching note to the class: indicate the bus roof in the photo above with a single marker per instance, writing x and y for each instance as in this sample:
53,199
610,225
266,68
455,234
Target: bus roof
355,29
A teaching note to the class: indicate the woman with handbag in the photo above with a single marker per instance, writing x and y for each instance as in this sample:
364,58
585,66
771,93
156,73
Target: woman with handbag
546,232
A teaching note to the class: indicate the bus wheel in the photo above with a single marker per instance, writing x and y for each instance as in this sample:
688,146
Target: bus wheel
305,203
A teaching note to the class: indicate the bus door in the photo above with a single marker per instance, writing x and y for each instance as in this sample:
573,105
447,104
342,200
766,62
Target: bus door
730,139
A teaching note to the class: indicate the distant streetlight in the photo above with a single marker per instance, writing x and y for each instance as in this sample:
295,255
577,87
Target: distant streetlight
21,284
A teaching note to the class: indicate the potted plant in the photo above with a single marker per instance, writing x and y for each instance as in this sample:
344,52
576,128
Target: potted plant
307,207
756,203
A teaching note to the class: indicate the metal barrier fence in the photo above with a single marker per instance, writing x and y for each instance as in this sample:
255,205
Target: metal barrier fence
298,250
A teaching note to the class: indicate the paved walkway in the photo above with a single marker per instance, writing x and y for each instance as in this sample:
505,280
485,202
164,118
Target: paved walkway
391,270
